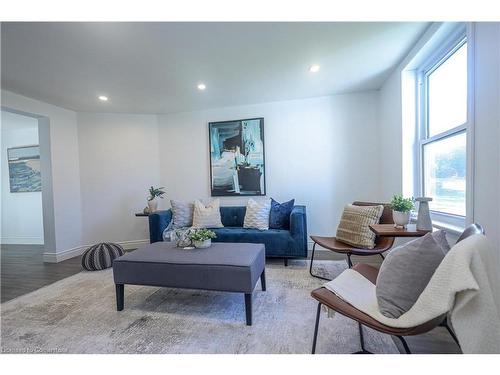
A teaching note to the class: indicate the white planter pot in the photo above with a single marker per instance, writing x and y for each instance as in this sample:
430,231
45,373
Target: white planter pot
401,219
203,244
153,205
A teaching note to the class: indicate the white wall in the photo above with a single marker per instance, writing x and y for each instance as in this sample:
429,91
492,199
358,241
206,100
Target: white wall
102,164
22,220
119,160
486,179
487,141
390,133
62,140
321,151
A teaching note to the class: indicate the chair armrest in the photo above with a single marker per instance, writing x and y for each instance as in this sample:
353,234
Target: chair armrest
158,221
298,229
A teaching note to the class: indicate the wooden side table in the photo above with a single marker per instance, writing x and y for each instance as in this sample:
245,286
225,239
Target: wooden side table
388,230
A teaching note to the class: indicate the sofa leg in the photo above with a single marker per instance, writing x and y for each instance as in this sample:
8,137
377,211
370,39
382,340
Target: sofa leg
285,260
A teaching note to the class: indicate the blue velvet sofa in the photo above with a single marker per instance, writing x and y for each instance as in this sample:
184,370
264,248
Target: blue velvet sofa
279,243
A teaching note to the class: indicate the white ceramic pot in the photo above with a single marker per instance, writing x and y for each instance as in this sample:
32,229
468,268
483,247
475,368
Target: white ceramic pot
152,205
401,219
203,244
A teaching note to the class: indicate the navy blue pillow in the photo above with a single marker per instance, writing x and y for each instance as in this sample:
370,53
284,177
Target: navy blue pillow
279,217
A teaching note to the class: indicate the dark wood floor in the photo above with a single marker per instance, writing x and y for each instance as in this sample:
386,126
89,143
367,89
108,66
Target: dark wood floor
24,271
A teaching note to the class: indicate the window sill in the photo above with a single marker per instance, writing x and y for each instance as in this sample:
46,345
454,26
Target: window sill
452,229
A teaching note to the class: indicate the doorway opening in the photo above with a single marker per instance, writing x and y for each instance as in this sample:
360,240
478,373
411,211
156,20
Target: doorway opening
21,185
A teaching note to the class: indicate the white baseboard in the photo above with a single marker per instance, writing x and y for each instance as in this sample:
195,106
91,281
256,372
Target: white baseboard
63,255
22,240
77,251
134,244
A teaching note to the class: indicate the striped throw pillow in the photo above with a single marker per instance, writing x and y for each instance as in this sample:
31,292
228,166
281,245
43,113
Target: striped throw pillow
354,228
257,214
207,216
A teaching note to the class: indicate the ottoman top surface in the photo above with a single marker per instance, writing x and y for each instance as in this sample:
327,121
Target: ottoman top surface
220,253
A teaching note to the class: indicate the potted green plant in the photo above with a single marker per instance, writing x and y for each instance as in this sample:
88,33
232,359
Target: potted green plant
154,193
401,208
202,238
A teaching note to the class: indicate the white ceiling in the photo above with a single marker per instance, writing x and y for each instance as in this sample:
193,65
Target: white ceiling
155,67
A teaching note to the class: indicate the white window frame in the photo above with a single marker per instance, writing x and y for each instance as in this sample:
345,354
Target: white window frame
457,39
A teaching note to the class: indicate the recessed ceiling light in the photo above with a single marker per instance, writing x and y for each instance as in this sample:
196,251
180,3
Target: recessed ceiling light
314,68
103,98
201,86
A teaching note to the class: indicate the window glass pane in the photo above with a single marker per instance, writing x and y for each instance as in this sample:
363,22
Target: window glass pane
444,174
447,91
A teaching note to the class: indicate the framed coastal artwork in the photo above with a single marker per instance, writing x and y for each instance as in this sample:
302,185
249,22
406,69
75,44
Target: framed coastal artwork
237,158
24,169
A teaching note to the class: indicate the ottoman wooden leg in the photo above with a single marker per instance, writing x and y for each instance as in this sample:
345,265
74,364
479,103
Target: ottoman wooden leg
120,288
263,280
248,308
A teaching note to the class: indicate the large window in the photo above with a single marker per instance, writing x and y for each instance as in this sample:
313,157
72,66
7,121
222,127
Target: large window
443,127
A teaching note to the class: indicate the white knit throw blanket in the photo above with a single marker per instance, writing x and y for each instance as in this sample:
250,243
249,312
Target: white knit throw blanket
459,287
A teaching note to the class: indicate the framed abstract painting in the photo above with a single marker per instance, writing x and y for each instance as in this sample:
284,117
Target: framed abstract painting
24,169
237,158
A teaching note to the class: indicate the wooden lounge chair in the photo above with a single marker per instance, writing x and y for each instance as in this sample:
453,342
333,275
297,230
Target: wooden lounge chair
332,301
382,244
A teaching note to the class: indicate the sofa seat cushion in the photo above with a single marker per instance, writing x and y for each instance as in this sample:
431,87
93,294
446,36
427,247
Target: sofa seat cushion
278,242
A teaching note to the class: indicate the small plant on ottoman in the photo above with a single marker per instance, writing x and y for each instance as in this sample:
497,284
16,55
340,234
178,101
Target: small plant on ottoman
202,238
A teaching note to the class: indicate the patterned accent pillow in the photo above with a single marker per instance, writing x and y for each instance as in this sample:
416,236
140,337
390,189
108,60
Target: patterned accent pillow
182,214
405,273
354,224
279,217
257,214
207,216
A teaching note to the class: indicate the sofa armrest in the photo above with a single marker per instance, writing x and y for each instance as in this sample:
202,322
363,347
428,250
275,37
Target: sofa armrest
298,229
158,221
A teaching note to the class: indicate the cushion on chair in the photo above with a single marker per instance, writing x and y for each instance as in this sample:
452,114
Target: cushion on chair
440,238
182,214
405,273
354,225
257,214
101,256
279,217
207,216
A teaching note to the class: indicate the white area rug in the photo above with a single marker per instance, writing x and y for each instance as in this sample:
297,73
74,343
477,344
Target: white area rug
78,315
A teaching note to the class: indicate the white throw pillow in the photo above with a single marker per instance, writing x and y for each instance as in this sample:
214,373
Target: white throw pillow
207,216
182,214
257,214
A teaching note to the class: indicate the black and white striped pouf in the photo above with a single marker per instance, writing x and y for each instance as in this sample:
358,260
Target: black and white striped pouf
101,256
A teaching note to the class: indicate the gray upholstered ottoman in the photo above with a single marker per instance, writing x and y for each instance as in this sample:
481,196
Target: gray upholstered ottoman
229,267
